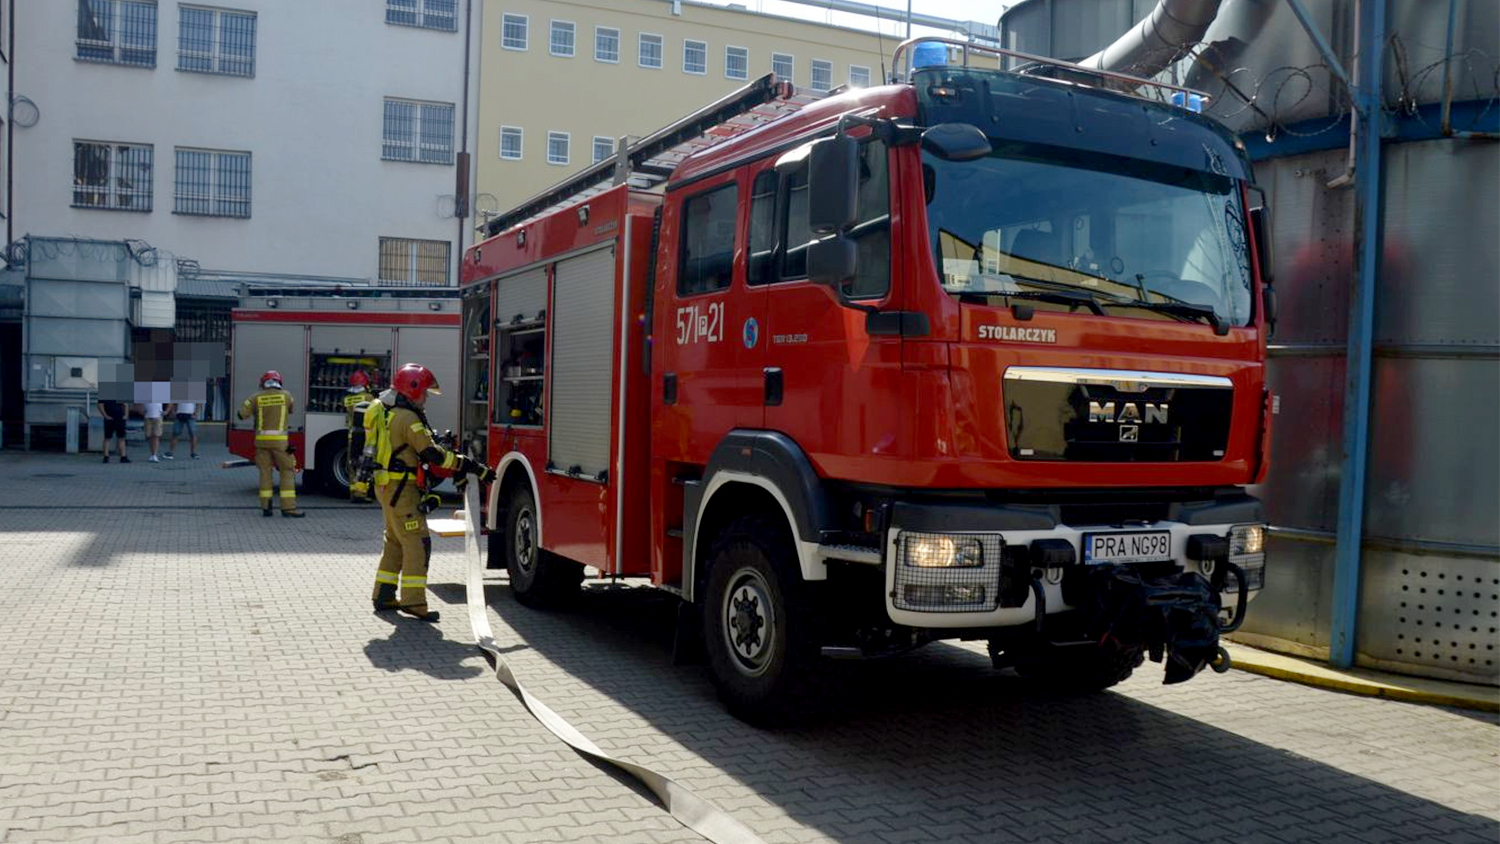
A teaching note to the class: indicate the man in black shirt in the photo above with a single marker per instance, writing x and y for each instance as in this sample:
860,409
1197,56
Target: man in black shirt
114,426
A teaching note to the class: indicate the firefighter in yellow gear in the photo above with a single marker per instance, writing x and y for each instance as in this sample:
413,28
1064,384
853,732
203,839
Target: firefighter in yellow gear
359,394
272,409
404,448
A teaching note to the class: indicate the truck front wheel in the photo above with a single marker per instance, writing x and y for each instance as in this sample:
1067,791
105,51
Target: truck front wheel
757,625
538,579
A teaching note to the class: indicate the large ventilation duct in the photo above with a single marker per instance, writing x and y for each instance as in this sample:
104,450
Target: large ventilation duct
1162,37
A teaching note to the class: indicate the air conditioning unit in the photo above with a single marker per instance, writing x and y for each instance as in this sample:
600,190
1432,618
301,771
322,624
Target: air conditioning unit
75,373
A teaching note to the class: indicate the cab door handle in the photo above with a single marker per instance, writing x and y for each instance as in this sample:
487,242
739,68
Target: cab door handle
773,386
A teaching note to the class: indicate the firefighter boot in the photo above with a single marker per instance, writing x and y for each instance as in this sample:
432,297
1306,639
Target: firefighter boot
414,574
385,590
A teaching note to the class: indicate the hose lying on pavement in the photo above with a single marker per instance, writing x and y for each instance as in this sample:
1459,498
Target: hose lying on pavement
692,811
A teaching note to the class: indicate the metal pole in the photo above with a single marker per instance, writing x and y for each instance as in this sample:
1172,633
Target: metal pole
1344,622
908,20
1448,71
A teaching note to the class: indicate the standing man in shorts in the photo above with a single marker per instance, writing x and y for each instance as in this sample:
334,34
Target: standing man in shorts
153,413
184,418
114,426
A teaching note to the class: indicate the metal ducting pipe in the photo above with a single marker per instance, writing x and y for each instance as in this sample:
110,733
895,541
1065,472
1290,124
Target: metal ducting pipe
1162,37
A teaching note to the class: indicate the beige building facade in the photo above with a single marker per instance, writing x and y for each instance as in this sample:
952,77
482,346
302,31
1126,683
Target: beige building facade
561,80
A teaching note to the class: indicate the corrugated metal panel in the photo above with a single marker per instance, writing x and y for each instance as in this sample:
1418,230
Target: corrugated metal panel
158,309
68,259
1313,239
78,299
1293,607
77,337
523,295
1302,488
582,351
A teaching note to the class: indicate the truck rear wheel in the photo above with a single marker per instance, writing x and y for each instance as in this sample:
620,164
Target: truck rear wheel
333,472
758,626
538,579
1080,669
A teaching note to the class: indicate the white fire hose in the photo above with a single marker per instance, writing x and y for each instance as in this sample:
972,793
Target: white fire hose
692,811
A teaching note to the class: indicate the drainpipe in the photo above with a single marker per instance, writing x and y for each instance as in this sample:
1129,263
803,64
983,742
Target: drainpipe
1159,39
1344,622
463,177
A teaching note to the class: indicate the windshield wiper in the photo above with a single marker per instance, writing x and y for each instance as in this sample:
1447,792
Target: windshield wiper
1057,297
1184,309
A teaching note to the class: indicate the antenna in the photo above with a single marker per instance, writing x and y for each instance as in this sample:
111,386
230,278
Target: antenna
880,39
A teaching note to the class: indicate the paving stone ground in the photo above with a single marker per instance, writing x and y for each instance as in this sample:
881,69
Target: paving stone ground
178,669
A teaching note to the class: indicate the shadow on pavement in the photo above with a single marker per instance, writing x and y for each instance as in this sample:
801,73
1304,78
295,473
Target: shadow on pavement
418,646
938,746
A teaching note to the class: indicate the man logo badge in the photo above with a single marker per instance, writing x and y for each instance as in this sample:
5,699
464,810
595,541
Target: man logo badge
1130,433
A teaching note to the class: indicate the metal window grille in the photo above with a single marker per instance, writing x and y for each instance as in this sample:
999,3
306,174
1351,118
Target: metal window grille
418,131
736,63
216,41
822,75
557,147
603,148
510,143
117,31
694,57
562,38
650,50
606,44
859,77
407,262
782,65
513,32
201,322
428,14
212,183
113,177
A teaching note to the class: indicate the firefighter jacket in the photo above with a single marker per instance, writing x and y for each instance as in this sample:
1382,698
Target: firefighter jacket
352,416
272,410
409,443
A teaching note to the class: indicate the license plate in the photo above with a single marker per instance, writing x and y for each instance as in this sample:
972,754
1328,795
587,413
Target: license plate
1141,547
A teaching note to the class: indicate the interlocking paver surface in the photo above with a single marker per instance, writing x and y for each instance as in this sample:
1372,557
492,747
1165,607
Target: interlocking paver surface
178,669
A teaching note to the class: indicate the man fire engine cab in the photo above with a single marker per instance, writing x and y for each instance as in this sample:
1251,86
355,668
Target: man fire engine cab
355,402
405,453
272,408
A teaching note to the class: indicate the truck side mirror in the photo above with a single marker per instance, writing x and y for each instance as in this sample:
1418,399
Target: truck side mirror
1260,225
830,261
832,184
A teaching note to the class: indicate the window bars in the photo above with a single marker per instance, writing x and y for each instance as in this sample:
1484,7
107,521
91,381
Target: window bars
112,176
117,31
408,262
216,41
418,131
427,14
212,183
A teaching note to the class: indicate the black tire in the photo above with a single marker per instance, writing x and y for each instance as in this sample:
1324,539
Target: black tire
332,473
537,578
494,557
758,625
1080,669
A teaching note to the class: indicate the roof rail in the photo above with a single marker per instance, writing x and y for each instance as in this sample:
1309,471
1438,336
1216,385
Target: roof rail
652,156
361,291
1071,67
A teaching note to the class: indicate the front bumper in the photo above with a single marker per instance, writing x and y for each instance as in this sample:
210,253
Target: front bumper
1024,549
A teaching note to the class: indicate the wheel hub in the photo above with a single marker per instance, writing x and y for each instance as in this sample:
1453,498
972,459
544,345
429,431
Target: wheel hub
525,553
749,622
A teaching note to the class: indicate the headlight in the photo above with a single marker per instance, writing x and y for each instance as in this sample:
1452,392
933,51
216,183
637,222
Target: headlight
1246,540
930,551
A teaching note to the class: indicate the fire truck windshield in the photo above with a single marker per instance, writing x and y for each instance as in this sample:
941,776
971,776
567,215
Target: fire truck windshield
1134,237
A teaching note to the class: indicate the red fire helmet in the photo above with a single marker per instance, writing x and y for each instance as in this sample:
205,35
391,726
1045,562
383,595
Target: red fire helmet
359,379
415,381
268,376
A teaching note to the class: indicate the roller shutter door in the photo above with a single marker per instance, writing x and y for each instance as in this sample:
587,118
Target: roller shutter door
523,294
582,356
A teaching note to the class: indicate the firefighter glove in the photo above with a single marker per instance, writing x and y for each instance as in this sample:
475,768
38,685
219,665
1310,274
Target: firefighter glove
429,502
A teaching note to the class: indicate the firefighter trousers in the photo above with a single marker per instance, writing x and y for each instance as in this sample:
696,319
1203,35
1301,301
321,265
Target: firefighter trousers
408,548
274,454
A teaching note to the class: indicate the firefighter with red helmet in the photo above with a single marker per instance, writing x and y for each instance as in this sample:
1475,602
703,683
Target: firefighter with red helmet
403,453
272,410
355,402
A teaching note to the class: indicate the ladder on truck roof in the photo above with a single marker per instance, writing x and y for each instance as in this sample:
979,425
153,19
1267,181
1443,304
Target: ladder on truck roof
655,156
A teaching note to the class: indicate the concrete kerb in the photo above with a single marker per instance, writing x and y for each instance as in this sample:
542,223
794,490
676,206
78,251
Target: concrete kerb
1363,682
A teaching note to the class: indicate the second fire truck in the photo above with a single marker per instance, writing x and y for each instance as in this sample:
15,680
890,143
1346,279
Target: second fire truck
979,355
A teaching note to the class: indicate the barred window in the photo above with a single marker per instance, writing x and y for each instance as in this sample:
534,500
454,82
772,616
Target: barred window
513,32
736,63
216,41
694,57
404,261
650,50
510,143
212,183
418,131
782,65
562,38
603,148
822,75
859,77
428,14
606,44
117,31
557,147
112,176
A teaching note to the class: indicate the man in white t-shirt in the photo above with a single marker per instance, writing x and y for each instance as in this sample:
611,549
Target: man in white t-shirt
152,410
185,418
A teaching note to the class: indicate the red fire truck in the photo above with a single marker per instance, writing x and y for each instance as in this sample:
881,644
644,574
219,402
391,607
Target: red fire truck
316,337
975,355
